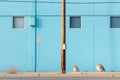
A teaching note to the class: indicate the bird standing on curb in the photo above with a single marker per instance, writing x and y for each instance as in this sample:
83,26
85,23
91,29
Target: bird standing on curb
76,69
100,68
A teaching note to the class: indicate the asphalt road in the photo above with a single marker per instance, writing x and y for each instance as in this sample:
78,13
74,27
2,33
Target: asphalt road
59,78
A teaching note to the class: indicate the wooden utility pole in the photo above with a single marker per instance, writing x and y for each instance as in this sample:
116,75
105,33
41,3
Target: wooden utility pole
63,54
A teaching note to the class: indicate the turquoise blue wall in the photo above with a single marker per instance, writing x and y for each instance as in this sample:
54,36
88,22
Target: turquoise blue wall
49,50
95,42
80,45
16,46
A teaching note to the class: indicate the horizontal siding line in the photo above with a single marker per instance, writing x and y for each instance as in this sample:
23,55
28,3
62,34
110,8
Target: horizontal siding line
52,15
17,1
60,2
90,2
78,15
15,15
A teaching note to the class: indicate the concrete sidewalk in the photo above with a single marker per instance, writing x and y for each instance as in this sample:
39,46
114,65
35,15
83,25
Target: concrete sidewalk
60,75
59,79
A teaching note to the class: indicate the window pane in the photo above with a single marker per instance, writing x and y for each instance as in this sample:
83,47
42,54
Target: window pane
75,22
115,22
18,22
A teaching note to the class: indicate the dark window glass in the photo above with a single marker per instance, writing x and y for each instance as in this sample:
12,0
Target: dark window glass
115,22
75,22
18,22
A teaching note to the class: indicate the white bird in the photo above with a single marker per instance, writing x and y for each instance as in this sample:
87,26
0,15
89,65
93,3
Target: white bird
76,69
100,68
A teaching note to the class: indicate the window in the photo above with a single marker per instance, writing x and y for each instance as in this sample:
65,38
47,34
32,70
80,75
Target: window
115,22
18,22
75,22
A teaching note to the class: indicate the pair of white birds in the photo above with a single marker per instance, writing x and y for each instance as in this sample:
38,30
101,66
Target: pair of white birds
99,67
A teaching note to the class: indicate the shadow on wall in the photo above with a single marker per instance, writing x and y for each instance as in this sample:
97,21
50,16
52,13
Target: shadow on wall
38,23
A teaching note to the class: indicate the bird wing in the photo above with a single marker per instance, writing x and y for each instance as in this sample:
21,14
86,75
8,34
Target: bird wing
103,68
